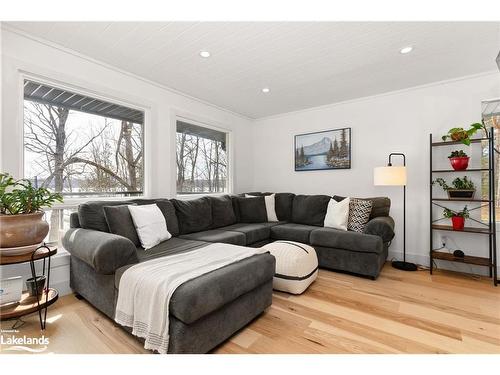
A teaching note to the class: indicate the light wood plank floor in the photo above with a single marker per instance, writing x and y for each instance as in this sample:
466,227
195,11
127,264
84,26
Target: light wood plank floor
398,313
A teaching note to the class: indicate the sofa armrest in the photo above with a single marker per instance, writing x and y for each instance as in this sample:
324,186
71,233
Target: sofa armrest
382,226
104,252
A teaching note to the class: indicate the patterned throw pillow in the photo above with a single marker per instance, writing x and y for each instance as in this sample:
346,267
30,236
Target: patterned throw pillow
359,214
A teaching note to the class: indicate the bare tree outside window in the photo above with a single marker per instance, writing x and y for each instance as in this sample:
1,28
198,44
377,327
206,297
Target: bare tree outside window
201,162
81,154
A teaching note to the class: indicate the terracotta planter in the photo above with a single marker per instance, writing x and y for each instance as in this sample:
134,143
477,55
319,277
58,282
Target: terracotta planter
460,163
458,222
22,230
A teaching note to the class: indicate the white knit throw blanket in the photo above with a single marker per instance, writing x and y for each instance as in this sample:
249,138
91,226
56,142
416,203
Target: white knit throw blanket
146,288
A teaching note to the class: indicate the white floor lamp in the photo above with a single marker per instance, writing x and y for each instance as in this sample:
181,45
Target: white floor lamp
396,176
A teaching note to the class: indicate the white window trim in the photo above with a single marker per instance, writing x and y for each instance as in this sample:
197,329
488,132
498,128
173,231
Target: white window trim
98,94
195,120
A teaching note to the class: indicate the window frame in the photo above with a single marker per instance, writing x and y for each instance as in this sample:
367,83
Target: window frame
192,119
102,94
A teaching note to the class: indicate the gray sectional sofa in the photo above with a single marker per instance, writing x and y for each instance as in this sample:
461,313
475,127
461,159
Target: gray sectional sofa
207,310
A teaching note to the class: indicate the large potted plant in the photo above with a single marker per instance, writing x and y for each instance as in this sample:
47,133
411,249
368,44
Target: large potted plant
457,217
462,188
459,160
21,215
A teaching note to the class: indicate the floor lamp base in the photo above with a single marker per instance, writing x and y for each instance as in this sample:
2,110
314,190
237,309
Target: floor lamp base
404,266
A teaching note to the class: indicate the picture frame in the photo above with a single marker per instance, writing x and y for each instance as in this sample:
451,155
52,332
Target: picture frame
323,150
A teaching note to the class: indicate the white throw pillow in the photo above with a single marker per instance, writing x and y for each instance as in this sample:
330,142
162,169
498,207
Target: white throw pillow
270,202
150,225
337,214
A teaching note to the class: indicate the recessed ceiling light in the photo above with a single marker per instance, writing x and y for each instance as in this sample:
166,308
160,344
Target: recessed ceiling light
265,90
406,50
204,54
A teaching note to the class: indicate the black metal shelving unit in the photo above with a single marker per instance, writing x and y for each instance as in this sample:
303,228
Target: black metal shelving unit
488,228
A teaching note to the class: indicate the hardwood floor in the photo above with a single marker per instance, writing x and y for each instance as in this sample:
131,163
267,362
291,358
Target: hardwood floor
398,313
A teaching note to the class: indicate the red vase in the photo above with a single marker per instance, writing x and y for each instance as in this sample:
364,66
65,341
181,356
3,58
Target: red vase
460,163
458,222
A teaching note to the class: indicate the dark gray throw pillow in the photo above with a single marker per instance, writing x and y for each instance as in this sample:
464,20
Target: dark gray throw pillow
252,210
194,215
222,211
168,210
120,222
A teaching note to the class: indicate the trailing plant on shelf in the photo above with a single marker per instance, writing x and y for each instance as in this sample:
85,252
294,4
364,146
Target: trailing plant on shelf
464,135
21,214
462,188
457,217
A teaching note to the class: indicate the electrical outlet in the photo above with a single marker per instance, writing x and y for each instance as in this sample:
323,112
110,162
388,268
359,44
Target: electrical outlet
443,240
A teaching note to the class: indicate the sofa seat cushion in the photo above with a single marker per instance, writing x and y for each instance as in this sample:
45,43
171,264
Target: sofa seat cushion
198,297
204,294
253,232
292,232
217,235
353,241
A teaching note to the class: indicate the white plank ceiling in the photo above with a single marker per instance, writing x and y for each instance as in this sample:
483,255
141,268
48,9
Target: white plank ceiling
305,64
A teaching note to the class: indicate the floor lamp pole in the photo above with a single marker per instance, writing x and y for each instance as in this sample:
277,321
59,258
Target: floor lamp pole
403,265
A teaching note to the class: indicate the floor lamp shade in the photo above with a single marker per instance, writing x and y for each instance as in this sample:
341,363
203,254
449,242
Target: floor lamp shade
390,175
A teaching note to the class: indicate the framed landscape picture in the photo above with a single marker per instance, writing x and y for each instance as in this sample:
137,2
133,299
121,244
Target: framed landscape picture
329,149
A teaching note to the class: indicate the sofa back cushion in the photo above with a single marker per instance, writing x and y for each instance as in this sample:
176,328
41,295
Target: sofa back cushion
168,210
310,209
222,211
194,215
251,210
381,206
284,203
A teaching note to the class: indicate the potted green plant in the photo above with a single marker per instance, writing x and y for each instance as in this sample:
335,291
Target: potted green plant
21,214
459,160
463,135
457,217
462,188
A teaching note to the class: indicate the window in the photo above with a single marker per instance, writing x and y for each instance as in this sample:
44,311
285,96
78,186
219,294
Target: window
202,160
80,146
491,119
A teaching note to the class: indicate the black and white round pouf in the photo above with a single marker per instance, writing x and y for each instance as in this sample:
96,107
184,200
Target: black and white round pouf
296,266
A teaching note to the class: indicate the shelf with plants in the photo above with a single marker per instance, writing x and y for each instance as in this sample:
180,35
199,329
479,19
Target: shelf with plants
462,189
22,230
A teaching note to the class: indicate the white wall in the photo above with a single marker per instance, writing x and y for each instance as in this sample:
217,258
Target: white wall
21,54
395,122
